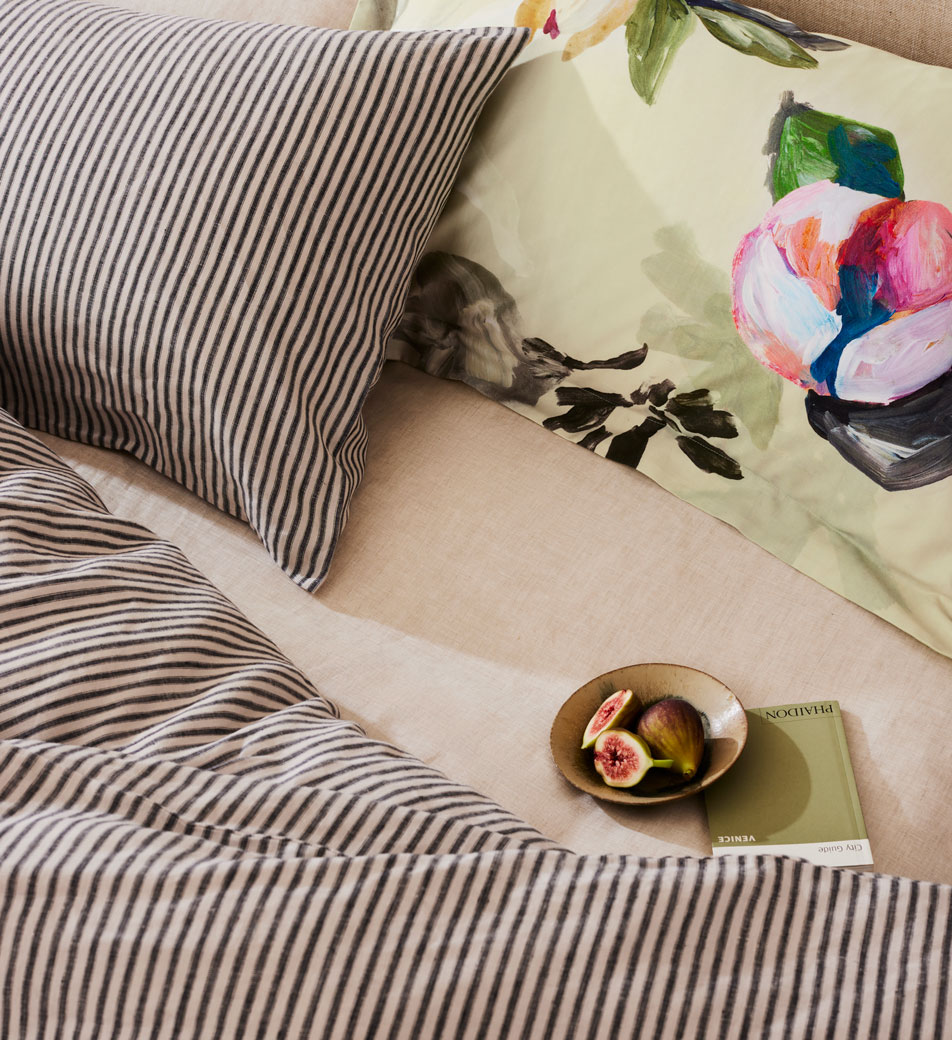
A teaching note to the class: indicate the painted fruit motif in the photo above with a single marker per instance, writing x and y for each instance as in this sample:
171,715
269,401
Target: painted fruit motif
613,711
848,293
672,728
623,758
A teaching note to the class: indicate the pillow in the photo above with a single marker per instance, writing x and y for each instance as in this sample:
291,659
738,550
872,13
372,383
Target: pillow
694,239
206,232
328,14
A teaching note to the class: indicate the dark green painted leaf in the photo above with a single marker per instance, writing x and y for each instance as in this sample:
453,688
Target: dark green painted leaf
693,398
656,393
710,459
754,38
654,32
659,392
816,146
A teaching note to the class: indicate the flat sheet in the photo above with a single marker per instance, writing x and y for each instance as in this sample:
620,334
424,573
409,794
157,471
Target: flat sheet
489,569
197,846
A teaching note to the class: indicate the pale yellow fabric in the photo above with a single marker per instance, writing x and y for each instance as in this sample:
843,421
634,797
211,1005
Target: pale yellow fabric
488,569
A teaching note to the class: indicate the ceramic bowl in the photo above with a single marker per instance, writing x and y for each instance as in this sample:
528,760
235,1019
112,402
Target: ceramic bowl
725,730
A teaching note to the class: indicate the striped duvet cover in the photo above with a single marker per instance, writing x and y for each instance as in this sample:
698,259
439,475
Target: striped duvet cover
194,844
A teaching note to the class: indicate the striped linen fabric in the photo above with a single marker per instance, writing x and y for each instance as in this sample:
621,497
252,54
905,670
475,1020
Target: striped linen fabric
194,844
206,235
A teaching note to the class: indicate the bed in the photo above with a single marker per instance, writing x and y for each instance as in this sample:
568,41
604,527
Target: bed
236,804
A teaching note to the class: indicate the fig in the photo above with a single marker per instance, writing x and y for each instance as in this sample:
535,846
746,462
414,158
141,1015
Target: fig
673,728
613,711
623,758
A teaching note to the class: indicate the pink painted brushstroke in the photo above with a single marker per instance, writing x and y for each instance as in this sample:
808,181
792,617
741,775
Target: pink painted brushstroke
907,248
786,288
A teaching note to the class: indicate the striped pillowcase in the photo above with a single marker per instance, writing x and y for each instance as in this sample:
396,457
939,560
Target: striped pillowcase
206,234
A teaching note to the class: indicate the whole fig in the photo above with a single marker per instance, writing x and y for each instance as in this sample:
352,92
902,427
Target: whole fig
673,729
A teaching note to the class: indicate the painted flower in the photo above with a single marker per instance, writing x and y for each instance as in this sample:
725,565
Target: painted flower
586,22
655,30
848,293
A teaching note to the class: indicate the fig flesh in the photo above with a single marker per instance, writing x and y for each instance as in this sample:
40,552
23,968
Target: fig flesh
613,711
623,758
673,728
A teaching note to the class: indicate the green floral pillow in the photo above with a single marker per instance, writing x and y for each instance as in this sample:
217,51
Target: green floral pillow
694,239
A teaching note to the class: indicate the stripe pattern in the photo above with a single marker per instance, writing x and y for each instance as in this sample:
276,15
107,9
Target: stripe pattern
207,231
194,844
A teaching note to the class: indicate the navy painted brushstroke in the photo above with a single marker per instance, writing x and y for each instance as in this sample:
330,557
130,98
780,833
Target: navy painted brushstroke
860,312
861,163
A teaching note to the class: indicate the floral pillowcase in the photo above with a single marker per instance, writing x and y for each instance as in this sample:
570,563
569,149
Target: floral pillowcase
694,239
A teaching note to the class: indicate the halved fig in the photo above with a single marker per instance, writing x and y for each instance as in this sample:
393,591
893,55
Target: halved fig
613,711
623,758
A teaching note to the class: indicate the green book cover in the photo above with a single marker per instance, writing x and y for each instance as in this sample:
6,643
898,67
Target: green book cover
792,791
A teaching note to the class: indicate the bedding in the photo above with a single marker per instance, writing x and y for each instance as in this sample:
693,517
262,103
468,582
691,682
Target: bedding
207,233
255,854
323,14
735,277
194,843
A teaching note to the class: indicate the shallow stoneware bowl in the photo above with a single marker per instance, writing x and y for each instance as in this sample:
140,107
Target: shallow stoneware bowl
725,730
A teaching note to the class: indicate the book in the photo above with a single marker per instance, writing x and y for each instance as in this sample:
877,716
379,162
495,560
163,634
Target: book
792,791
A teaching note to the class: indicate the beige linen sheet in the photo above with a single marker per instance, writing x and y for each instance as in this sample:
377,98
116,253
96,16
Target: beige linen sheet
193,844
488,569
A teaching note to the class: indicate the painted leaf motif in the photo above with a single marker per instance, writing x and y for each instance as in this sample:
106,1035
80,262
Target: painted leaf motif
656,393
593,439
710,459
811,41
695,411
588,408
754,38
654,32
628,447
816,146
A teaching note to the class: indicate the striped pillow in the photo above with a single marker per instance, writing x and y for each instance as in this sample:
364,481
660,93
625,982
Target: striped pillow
206,234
